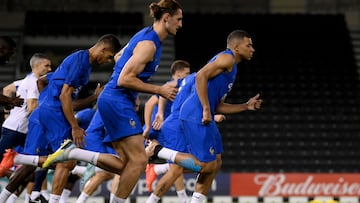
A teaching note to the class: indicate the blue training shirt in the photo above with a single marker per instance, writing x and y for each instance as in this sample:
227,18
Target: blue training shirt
218,88
43,93
168,105
73,71
150,69
187,87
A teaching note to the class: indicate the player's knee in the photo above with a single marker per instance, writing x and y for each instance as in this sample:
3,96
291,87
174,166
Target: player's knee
209,167
140,161
106,175
176,171
69,165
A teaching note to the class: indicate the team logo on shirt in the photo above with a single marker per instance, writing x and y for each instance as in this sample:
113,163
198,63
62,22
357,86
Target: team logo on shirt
212,150
132,123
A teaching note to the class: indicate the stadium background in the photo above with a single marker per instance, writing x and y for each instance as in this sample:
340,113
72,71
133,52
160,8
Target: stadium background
306,66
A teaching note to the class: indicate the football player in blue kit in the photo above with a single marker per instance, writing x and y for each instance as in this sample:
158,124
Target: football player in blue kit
138,61
212,83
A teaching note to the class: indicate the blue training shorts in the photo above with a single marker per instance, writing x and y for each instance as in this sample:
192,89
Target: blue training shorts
172,135
36,142
57,128
204,140
120,119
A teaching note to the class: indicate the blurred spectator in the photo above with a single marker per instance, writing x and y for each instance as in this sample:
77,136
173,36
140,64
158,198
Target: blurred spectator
7,50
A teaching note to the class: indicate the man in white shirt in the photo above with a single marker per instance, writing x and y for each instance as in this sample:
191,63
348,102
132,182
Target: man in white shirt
15,127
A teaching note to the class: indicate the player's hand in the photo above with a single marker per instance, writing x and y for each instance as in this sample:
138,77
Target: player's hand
206,119
158,121
168,91
146,132
254,103
219,118
78,136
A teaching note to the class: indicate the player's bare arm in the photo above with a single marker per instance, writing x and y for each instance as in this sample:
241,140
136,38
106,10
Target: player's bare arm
142,54
66,103
223,63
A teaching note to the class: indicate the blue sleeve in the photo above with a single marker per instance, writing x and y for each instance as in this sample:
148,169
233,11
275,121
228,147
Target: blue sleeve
73,65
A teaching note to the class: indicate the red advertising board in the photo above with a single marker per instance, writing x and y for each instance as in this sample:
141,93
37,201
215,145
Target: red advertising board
294,184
